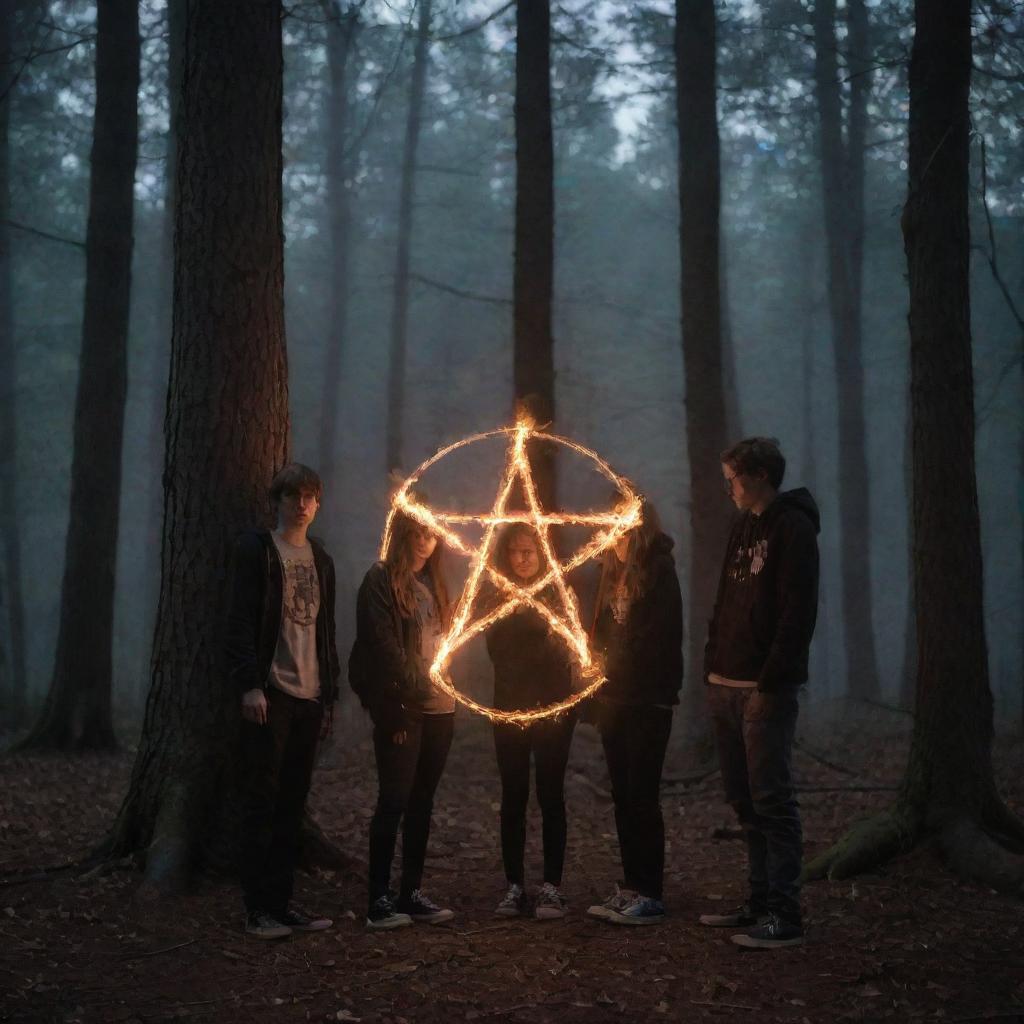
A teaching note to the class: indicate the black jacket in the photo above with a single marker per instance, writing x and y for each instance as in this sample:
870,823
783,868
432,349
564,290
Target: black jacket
643,656
385,668
767,600
253,622
532,666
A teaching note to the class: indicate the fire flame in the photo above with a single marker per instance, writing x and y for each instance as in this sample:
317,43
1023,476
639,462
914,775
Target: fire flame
611,527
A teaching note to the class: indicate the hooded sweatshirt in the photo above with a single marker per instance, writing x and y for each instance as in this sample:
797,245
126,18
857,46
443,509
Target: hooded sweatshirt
643,657
767,600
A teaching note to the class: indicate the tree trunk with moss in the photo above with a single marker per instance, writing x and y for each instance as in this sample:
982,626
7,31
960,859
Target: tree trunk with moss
948,791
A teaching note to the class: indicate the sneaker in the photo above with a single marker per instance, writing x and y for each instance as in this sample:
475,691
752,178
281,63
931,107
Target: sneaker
639,910
613,904
513,903
299,921
550,903
741,917
772,934
422,908
264,926
382,914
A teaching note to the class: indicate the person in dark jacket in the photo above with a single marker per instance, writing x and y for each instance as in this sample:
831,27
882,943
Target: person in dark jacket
402,610
639,633
281,659
755,661
531,669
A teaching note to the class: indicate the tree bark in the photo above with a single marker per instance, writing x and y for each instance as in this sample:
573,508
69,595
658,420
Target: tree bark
12,637
406,196
341,33
226,426
948,791
77,711
699,201
842,175
160,340
533,276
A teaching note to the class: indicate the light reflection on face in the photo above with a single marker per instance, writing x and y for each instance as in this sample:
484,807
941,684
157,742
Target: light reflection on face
422,543
523,556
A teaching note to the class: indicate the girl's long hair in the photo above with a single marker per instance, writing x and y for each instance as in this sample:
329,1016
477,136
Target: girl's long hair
630,574
399,562
502,562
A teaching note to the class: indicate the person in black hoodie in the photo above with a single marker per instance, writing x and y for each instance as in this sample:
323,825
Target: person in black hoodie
638,632
281,660
755,661
402,609
531,669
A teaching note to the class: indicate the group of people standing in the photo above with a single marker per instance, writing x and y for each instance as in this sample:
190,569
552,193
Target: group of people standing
282,659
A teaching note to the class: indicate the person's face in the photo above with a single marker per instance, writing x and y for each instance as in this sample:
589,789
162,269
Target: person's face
298,508
523,556
421,543
622,548
745,489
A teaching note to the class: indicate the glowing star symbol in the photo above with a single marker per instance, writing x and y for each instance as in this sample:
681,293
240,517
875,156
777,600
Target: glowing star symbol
610,527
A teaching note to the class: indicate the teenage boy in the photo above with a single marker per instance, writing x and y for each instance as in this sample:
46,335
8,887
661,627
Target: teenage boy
755,661
282,660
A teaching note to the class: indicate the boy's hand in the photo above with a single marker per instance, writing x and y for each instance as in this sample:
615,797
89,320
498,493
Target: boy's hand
254,706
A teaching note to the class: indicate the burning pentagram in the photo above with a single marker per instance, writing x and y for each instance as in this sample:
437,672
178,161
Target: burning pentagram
565,620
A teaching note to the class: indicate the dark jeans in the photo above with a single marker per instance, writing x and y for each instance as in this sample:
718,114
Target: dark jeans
754,734
549,741
407,774
277,762
635,738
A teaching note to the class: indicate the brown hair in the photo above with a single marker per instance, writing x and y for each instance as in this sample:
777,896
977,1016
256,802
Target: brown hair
509,532
294,479
632,571
399,562
755,455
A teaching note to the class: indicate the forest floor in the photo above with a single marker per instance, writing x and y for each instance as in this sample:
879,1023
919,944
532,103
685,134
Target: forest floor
909,943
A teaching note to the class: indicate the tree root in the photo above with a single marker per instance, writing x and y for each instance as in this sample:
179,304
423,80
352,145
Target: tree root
1007,827
973,854
316,850
169,856
869,842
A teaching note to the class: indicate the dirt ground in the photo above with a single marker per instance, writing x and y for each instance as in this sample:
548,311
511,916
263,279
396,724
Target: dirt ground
907,944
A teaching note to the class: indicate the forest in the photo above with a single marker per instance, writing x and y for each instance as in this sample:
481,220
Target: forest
238,234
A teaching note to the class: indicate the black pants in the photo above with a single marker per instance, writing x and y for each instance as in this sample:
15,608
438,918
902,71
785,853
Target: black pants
635,739
754,734
277,764
407,774
549,741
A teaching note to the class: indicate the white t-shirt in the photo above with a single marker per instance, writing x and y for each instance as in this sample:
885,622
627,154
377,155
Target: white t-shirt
295,669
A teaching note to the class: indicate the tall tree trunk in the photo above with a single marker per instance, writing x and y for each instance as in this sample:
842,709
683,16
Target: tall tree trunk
699,200
77,710
226,427
341,33
406,196
948,790
533,275
160,354
842,175
908,668
12,636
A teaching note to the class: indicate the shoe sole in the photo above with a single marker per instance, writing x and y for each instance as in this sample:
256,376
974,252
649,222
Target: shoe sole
316,926
615,918
384,926
548,914
438,918
599,913
508,913
717,921
746,942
